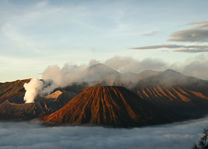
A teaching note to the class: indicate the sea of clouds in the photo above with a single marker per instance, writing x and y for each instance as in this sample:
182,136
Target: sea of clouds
32,135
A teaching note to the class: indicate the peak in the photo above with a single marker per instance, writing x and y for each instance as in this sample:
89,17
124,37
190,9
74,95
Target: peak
97,65
105,87
101,66
171,71
105,105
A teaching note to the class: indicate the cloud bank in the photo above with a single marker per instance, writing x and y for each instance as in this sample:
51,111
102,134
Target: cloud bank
31,135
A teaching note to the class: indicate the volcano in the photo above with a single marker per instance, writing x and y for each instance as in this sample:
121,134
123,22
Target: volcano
108,106
13,91
176,92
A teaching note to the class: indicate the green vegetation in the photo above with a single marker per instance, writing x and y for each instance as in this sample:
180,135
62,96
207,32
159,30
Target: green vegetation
203,142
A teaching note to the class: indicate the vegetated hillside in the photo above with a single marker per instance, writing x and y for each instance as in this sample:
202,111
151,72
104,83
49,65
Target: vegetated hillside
109,106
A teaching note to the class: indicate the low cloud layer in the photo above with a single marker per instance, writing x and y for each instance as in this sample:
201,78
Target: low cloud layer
31,135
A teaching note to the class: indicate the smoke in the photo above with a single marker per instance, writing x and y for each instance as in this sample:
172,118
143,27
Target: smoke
53,77
117,68
32,89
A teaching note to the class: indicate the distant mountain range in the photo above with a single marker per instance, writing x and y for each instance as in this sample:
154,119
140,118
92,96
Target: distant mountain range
104,96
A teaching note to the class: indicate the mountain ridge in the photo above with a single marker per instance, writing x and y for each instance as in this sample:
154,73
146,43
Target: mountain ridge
108,106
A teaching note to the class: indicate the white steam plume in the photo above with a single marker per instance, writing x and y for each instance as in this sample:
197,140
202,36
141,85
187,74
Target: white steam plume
53,77
32,89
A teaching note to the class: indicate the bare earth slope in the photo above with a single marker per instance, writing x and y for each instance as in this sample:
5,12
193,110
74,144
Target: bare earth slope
176,92
108,106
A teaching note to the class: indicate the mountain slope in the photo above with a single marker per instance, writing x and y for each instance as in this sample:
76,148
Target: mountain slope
108,106
176,92
42,106
13,91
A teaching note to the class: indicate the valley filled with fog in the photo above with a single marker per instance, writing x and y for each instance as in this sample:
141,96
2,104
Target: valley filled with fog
33,135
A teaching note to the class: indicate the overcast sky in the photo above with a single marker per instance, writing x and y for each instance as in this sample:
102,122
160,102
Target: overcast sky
38,33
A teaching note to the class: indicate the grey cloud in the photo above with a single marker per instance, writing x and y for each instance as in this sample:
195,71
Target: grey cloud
199,33
177,48
191,50
191,35
31,135
157,47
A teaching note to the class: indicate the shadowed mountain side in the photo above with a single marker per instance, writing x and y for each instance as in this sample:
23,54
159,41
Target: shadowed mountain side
12,111
13,91
176,92
109,106
42,106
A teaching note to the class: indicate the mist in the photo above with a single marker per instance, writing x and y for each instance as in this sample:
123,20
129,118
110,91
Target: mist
32,135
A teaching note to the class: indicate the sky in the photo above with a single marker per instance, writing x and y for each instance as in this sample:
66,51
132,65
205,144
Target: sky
38,33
